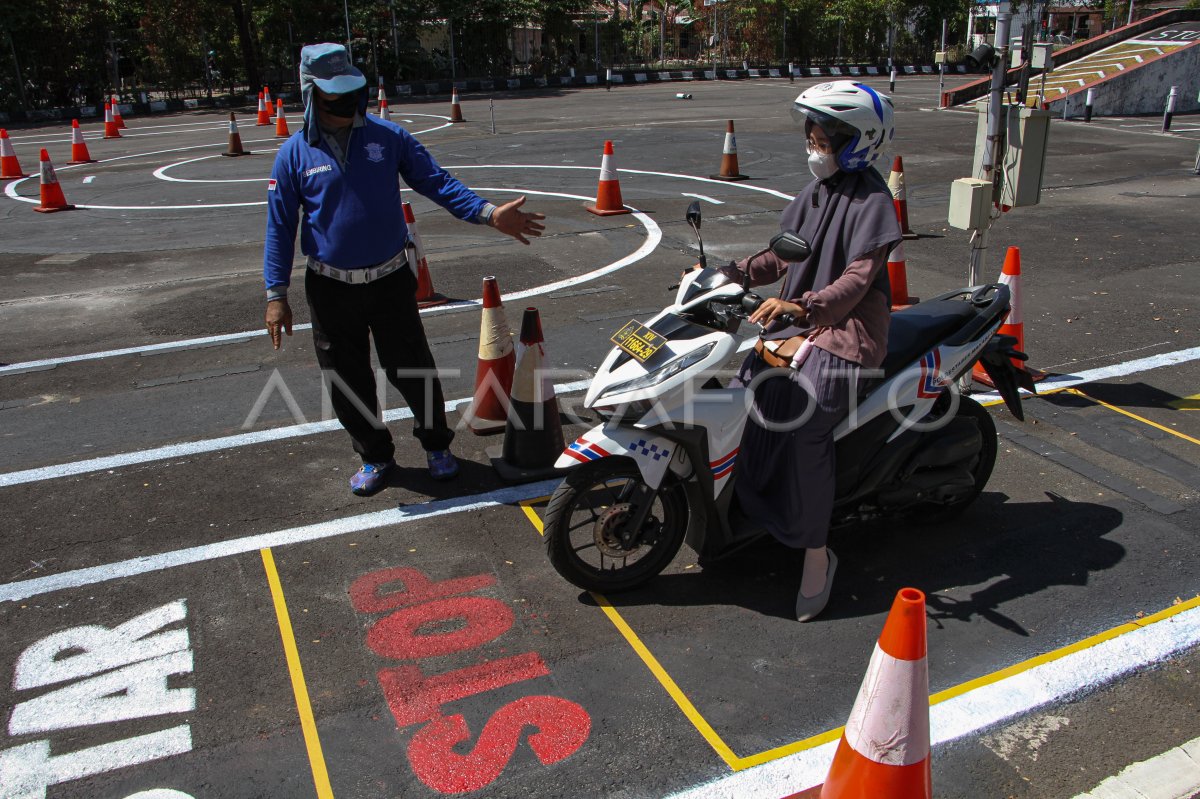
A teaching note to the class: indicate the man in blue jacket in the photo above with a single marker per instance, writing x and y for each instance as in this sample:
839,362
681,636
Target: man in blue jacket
337,178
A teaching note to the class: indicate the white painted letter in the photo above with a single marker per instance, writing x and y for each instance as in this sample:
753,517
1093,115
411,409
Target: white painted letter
132,692
52,660
27,770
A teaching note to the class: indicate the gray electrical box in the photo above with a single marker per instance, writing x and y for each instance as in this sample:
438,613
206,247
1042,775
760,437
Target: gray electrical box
1042,56
1024,134
970,204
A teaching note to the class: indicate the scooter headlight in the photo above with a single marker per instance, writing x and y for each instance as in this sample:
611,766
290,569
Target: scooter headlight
667,370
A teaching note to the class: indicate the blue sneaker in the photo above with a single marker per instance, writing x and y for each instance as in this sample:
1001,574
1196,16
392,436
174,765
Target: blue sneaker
442,464
369,479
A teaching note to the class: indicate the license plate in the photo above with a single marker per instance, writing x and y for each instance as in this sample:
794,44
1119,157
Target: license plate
638,340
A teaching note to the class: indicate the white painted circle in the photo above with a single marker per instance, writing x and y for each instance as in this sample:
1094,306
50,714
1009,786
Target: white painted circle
11,188
160,793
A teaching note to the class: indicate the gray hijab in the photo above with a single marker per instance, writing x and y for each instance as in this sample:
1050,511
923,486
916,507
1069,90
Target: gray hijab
842,218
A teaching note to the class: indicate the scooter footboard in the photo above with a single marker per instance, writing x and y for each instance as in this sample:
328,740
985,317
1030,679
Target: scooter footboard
650,452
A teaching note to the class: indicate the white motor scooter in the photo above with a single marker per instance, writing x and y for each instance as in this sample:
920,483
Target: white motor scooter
661,467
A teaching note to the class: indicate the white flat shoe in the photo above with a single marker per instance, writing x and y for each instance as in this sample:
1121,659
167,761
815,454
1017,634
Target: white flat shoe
808,608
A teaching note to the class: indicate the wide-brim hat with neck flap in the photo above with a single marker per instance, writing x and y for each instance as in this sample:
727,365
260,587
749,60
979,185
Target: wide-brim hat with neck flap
328,66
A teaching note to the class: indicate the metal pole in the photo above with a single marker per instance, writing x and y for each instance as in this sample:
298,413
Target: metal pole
942,70
346,11
1087,108
1130,21
1170,112
395,35
492,113
995,102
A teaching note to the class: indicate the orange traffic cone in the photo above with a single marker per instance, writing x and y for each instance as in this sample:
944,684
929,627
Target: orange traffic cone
884,750
10,168
384,113
267,98
494,372
116,108
729,162
533,437
1015,324
235,139
426,296
900,197
608,193
79,148
264,116
381,94
52,198
455,108
898,278
281,126
111,129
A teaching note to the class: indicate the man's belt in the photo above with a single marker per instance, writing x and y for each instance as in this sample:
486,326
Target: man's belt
356,276
769,357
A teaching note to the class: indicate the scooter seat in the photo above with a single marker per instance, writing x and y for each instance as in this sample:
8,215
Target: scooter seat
914,331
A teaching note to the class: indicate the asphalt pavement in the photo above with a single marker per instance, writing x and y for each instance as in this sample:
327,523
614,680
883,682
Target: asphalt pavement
196,606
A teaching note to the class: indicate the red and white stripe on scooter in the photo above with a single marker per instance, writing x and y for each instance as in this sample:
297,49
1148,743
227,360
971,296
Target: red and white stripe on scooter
932,382
584,451
722,466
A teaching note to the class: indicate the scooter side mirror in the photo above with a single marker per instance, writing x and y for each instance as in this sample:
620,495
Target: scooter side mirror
790,247
693,214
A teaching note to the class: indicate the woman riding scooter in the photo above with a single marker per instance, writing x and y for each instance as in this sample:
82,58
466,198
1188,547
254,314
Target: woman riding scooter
804,368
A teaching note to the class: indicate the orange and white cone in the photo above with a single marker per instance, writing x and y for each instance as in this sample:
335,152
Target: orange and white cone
116,109
426,296
497,361
79,148
884,750
384,113
281,126
10,168
729,161
900,196
1014,325
235,139
52,198
455,108
533,437
267,98
381,95
111,130
608,193
898,278
264,116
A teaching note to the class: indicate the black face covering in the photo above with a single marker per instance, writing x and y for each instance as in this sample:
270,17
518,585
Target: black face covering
342,105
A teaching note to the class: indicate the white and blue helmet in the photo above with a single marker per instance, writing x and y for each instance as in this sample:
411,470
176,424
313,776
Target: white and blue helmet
853,109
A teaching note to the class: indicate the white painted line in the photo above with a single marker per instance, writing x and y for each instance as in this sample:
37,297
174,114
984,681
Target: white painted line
215,444
161,173
982,707
145,564
653,237
1107,372
704,197
1175,774
89,179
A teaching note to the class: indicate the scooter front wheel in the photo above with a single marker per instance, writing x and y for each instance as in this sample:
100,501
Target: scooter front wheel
587,527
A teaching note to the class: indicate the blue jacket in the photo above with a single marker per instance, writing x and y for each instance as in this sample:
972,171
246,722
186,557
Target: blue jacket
352,217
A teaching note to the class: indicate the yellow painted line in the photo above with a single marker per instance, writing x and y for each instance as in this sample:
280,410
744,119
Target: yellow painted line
308,724
685,704
1048,657
531,514
739,763
1191,403
1141,419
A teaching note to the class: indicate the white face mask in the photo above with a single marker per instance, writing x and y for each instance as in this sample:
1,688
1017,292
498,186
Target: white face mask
822,165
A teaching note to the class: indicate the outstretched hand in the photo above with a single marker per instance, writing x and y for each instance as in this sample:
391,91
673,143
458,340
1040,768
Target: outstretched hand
510,220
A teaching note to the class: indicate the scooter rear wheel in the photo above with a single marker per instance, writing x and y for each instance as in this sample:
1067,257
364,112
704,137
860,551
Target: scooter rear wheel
585,538
980,467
